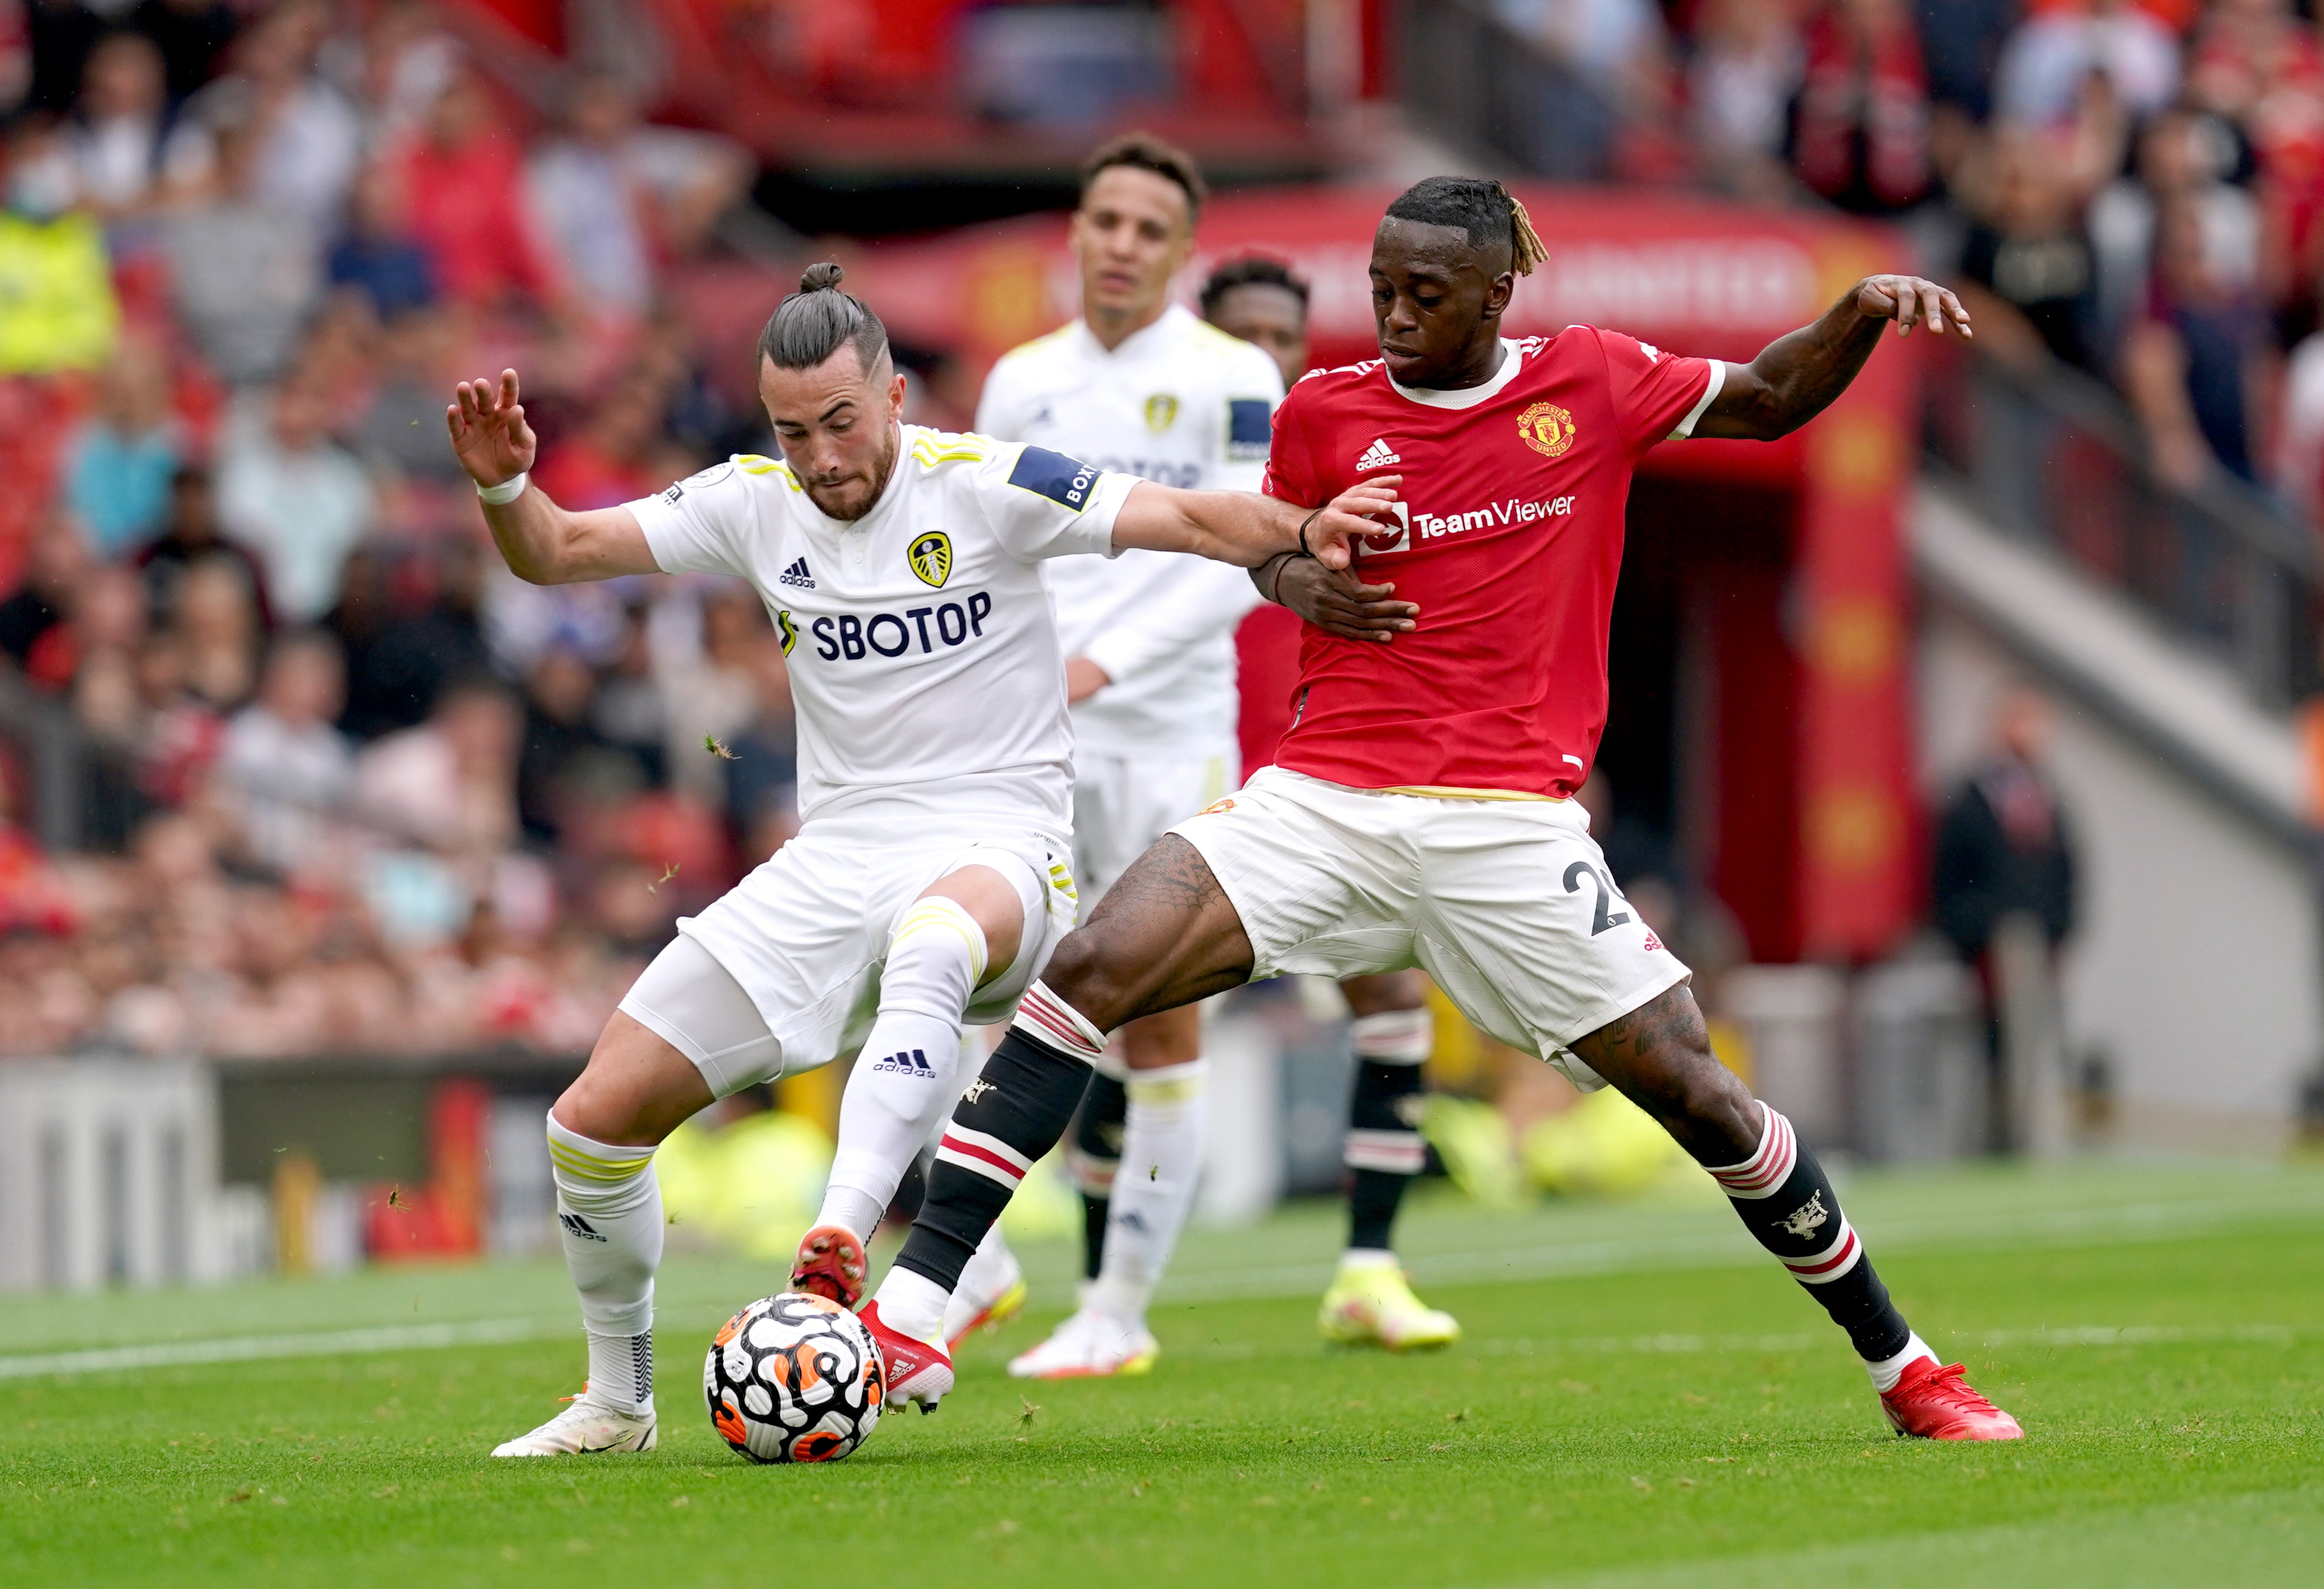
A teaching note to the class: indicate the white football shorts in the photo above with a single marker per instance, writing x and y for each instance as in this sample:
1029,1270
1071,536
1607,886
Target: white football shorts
803,935
1508,904
1122,803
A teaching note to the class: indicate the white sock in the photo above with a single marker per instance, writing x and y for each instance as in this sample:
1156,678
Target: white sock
1889,1370
1366,1258
911,1304
1161,1162
609,1214
903,1083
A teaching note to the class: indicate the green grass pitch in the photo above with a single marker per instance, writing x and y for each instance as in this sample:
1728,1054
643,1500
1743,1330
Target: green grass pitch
1641,1398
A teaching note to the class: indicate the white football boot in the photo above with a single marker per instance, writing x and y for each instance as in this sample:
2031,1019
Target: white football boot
583,1429
992,1291
1090,1344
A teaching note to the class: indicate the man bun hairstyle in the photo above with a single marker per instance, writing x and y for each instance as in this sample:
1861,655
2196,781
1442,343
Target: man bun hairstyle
817,320
1486,212
1144,153
1252,270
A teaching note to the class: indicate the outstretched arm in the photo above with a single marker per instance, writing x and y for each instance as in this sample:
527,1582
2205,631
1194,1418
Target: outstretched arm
1245,529
542,543
1795,377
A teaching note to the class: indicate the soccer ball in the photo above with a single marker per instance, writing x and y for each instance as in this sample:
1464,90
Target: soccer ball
794,1378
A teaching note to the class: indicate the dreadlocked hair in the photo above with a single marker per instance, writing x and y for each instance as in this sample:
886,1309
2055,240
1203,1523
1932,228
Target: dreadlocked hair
817,320
1487,212
1252,270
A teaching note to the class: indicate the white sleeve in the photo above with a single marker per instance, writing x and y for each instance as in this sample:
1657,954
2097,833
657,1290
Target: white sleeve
1196,599
1044,504
997,406
700,524
1248,400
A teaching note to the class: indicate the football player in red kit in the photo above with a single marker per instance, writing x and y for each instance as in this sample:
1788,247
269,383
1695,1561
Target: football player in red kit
1419,809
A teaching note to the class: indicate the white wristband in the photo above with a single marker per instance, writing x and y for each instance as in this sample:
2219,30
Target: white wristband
506,491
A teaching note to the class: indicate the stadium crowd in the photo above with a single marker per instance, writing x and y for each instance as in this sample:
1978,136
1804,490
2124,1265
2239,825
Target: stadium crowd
354,786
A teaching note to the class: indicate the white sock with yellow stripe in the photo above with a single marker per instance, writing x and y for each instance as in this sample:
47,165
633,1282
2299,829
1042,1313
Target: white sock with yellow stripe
903,1083
1161,1162
609,1214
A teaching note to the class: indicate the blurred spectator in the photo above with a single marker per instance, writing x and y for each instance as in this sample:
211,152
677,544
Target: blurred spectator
54,279
2192,363
556,730
404,666
2030,281
192,536
2181,158
2258,67
243,265
1861,133
191,36
1961,43
107,629
448,785
716,695
1746,67
121,460
401,434
604,464
2049,59
614,196
32,632
461,179
62,34
376,256
403,59
762,780
15,56
216,616
2003,843
287,771
181,734
118,126
297,499
308,143
631,712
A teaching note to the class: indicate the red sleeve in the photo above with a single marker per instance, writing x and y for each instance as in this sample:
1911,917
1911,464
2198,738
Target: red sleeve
1657,396
1291,474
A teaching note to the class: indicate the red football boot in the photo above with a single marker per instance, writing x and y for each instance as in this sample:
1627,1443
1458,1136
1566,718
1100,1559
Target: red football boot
831,1263
1935,1404
914,1371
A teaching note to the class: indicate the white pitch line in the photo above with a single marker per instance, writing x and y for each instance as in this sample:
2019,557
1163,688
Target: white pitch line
337,1343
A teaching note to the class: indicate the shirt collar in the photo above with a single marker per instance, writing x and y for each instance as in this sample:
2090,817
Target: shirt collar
1466,397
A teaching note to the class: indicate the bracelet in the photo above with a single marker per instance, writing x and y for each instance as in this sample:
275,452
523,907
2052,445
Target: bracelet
1274,591
1303,523
506,491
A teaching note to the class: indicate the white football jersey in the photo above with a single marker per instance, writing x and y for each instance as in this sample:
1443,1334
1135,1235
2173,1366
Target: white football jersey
923,651
1182,404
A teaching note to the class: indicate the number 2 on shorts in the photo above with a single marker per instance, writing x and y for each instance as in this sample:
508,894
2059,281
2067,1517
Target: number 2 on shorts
1602,918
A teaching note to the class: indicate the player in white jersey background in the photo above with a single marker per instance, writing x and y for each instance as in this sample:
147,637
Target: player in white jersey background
1137,383
1370,1300
902,568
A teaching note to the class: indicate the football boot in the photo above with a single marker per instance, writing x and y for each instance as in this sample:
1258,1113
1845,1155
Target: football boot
583,1429
1934,1402
1091,1344
1372,1305
991,1292
831,1263
915,1370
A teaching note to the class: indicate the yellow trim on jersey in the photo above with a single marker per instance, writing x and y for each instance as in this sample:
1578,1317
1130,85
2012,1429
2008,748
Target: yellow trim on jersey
950,448
1448,792
752,464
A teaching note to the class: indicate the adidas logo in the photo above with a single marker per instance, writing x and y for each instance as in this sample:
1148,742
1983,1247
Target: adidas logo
797,574
915,1063
579,1226
1378,456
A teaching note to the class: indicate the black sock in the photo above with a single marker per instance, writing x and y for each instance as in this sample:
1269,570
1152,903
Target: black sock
1785,1200
1012,1115
1384,1147
1094,1156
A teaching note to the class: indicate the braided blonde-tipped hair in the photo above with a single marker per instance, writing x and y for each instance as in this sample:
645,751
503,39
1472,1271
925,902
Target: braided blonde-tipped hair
1525,250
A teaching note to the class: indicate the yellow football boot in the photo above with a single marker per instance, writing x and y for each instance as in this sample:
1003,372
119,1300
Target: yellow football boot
1372,1305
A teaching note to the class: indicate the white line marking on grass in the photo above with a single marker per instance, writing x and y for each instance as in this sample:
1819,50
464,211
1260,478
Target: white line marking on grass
337,1343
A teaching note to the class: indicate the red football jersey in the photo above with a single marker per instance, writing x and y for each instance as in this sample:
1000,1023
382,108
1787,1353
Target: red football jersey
1509,537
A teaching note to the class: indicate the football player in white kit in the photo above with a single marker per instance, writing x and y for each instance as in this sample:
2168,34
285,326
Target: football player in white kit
1139,384
902,568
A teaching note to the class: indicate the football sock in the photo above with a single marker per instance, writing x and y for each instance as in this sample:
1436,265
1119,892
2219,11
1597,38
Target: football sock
609,1215
1093,1153
1031,1086
1383,1145
1162,1158
1889,1370
903,1078
1787,1202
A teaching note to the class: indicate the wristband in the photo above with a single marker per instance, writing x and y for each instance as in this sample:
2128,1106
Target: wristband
506,491
1275,589
1303,523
